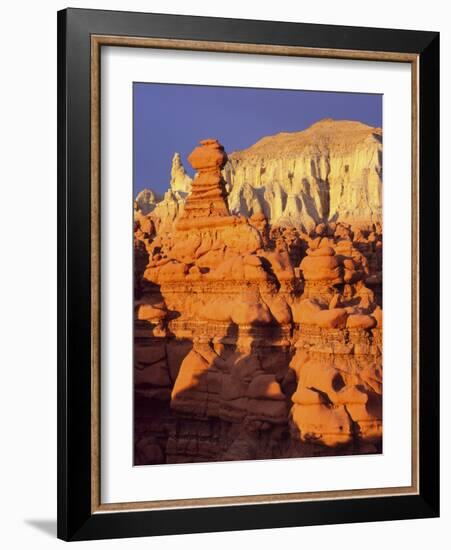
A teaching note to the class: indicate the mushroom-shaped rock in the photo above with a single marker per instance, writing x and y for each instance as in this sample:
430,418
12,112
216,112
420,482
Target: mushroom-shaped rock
304,312
207,202
209,156
321,265
265,387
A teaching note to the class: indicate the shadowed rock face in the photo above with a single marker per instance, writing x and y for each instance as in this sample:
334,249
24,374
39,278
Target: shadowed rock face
254,340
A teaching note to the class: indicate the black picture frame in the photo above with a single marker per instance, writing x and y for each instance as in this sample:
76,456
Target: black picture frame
76,521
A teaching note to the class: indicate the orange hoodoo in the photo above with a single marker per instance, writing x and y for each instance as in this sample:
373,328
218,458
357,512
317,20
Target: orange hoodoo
208,157
208,196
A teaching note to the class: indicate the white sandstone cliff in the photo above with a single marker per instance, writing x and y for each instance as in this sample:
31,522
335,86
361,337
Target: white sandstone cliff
180,181
168,209
331,171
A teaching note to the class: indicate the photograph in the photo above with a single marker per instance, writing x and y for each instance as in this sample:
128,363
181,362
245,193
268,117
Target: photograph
248,272
258,291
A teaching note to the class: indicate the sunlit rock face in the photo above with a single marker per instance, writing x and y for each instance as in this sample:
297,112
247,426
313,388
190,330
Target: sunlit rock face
166,210
330,172
180,181
252,339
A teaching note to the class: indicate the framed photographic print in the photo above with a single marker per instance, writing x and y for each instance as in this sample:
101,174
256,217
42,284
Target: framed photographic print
248,274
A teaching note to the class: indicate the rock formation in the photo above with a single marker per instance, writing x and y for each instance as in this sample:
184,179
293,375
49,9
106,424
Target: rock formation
171,206
146,201
328,173
207,199
180,181
252,339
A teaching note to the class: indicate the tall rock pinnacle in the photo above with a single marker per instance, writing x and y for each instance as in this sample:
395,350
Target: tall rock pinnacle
208,196
180,181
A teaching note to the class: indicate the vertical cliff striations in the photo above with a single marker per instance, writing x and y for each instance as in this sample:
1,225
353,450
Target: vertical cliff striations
330,172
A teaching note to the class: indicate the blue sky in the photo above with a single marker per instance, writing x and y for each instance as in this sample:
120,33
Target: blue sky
172,117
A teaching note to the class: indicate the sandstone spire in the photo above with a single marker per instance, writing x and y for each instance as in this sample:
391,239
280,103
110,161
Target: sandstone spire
180,181
208,196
